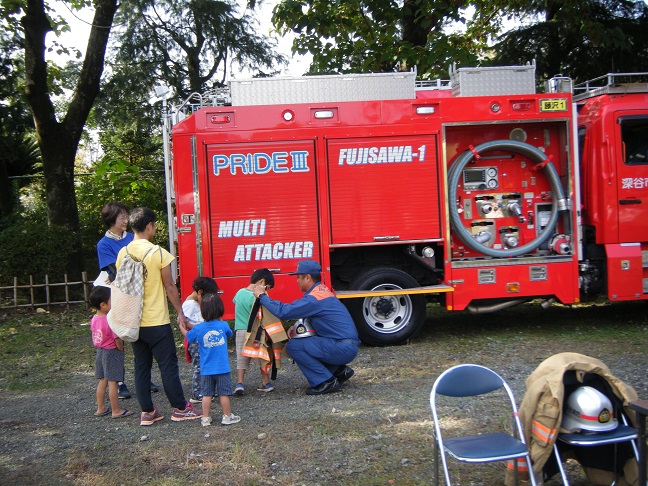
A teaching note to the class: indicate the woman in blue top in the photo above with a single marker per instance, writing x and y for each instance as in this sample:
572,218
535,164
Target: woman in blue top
115,217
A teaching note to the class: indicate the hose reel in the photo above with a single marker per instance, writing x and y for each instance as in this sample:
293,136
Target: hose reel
558,205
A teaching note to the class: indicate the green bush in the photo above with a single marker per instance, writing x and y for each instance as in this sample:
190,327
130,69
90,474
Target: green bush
34,249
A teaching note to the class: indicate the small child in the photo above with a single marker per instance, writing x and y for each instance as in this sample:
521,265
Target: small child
243,301
215,378
109,363
191,308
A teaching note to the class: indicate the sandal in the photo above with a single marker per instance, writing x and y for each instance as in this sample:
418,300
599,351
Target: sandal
104,413
125,413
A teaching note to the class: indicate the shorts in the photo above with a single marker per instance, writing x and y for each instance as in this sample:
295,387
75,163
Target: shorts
216,385
109,364
243,362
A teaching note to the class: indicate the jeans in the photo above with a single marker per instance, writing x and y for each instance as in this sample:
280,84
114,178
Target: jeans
157,342
194,352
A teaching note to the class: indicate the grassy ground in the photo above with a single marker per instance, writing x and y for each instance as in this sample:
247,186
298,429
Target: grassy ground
39,346
376,431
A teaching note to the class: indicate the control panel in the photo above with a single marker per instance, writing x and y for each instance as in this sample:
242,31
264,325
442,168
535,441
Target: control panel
480,178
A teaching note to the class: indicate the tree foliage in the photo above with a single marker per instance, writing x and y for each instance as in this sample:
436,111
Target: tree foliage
130,171
49,248
191,45
387,35
581,39
19,154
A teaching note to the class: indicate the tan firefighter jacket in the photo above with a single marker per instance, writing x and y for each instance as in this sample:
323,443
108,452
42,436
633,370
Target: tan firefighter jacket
265,338
542,406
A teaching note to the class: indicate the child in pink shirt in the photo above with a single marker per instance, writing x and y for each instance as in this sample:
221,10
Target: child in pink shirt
109,363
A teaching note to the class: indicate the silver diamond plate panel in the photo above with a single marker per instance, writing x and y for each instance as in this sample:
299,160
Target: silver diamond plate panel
323,89
487,81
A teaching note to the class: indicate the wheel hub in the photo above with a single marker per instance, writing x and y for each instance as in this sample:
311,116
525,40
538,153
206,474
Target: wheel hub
384,307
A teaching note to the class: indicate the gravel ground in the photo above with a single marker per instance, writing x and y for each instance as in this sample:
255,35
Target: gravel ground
377,430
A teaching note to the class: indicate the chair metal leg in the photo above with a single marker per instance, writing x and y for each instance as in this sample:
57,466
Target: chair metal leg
436,462
532,479
446,471
516,473
560,466
633,442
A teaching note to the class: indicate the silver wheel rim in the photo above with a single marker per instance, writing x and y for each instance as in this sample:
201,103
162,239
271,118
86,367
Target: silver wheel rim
387,314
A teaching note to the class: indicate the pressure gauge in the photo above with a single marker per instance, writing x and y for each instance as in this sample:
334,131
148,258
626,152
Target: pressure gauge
492,183
491,172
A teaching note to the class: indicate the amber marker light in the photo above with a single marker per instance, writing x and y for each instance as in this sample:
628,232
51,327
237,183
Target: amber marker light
513,287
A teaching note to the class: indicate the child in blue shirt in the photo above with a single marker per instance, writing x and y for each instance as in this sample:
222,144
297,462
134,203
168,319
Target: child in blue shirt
215,379
191,308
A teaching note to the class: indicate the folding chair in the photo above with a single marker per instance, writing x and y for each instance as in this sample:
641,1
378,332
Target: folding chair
623,433
470,380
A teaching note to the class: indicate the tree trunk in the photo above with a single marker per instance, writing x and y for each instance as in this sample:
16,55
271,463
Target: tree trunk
6,192
58,141
413,30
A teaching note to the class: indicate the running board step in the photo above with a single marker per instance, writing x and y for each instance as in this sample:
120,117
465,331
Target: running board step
432,289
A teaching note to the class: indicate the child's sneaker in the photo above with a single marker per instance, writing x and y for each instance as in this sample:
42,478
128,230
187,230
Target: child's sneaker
266,388
148,418
206,421
238,390
195,399
230,419
189,413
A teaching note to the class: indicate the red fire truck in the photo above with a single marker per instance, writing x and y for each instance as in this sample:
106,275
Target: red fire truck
478,193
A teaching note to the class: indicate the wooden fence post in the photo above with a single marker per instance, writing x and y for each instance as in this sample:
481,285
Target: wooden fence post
67,293
26,295
84,280
47,292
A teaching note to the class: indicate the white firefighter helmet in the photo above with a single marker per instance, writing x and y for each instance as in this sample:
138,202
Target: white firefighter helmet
302,328
588,410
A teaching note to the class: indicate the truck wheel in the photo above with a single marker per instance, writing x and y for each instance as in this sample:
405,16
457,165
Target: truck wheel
388,319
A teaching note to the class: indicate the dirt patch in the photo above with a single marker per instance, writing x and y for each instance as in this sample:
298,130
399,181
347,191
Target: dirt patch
377,430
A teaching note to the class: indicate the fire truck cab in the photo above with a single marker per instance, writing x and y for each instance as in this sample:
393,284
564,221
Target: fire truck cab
613,147
477,193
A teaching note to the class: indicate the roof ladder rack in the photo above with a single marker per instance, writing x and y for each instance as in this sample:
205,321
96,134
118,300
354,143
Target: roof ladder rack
612,83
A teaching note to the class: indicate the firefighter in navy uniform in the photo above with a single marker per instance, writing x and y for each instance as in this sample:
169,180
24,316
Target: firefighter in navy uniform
323,357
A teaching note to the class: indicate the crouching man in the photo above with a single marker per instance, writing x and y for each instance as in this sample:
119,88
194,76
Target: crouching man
323,358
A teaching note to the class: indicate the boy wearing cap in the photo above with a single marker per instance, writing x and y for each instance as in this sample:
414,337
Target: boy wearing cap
322,358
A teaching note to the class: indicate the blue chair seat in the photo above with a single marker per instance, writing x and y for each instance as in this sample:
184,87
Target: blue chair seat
485,448
622,433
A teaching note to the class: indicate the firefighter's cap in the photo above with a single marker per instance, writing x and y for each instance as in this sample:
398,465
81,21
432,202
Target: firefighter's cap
307,266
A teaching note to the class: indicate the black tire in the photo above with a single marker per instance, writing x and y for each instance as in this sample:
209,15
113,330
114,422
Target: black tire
383,321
